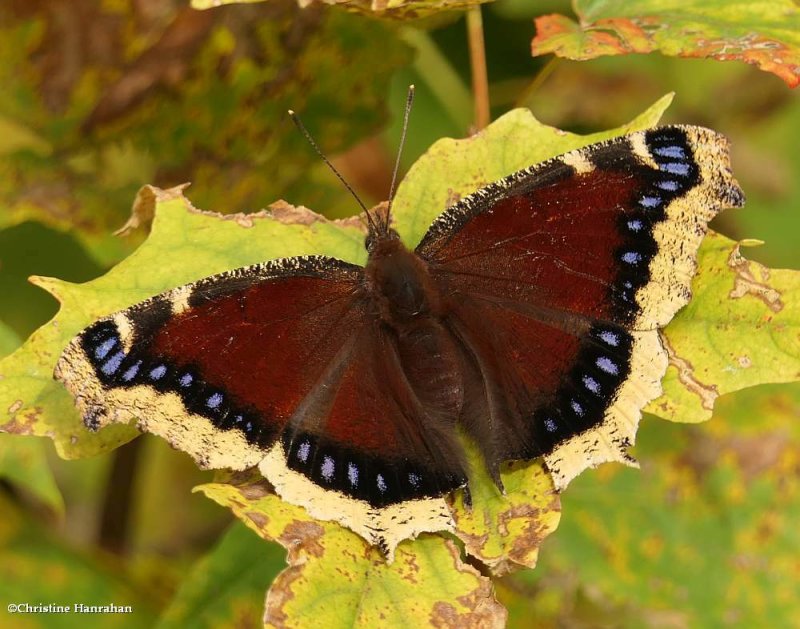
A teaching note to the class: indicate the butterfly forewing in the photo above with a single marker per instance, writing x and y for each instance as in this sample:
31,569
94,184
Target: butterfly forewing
562,274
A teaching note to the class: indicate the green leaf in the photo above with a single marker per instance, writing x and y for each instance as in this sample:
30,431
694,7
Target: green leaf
765,33
226,587
23,461
9,341
39,570
705,535
742,328
335,579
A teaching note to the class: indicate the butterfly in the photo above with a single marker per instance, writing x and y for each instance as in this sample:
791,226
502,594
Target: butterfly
526,319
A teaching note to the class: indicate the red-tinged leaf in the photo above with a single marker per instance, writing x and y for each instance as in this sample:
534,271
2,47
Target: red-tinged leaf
765,33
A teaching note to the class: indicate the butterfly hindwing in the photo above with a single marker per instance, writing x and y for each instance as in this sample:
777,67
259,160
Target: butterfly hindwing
592,252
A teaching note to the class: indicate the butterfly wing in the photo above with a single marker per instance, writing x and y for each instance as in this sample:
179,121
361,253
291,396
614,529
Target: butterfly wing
561,275
277,365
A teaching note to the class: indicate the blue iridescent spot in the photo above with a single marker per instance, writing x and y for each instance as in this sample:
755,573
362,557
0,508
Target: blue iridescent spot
130,372
609,338
214,400
577,408
676,168
381,483
635,225
670,151
302,451
650,202
414,479
156,373
328,468
550,425
591,384
186,380
248,427
632,257
668,184
607,365
352,474
101,351
113,363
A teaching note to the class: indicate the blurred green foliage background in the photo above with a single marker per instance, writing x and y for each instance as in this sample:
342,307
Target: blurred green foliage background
100,98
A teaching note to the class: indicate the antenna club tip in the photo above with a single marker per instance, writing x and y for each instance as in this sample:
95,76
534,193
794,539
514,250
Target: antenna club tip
291,112
411,87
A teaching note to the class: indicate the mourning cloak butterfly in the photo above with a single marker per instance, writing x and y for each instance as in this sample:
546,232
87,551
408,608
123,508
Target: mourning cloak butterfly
527,317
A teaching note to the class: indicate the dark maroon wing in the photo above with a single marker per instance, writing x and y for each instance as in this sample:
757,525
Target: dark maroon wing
278,365
559,277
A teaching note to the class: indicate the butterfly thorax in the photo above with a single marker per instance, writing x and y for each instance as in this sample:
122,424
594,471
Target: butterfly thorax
400,285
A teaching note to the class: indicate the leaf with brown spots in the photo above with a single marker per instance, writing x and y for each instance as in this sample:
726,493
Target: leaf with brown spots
741,329
765,33
335,579
505,531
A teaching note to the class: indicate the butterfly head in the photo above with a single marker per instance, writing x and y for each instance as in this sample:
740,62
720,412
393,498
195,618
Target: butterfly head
375,241
380,234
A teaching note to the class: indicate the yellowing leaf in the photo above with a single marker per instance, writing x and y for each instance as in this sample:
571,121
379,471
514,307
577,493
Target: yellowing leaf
504,531
335,579
742,328
765,33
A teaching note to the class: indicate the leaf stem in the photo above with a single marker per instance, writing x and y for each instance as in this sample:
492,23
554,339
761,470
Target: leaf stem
477,54
538,80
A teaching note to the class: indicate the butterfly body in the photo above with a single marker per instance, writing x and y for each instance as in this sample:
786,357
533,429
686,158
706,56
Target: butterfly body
526,320
399,284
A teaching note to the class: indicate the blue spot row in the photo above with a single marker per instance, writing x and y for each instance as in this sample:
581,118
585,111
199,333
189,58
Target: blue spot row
116,368
373,478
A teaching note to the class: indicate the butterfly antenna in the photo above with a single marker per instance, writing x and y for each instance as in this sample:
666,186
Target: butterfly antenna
409,102
299,124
